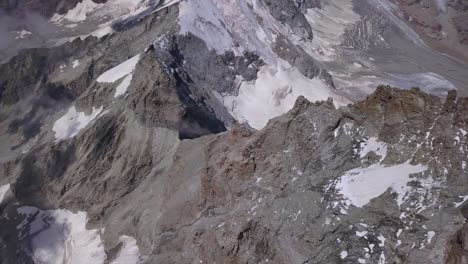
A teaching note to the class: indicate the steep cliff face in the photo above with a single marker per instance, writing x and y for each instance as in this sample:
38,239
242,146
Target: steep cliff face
382,180
232,132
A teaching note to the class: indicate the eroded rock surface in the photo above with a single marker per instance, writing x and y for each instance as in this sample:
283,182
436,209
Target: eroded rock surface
130,141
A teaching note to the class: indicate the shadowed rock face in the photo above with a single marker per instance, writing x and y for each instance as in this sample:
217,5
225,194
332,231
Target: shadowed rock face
381,180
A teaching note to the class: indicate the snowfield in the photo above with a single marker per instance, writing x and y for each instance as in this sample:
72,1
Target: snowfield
359,186
61,237
274,93
125,69
120,70
73,122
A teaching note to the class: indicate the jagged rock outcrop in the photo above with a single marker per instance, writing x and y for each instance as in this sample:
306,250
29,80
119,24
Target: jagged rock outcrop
138,141
276,195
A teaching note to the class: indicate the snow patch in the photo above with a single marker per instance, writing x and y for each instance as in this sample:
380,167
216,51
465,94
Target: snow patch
464,199
75,63
382,239
70,124
22,34
123,86
372,144
382,258
357,64
60,236
125,69
361,234
360,185
343,254
463,132
120,70
399,232
274,93
430,235
3,190
128,253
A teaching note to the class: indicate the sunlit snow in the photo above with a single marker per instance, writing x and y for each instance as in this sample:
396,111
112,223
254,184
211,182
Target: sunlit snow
60,237
274,93
75,63
372,144
119,71
128,253
125,69
72,122
3,190
430,236
464,198
360,185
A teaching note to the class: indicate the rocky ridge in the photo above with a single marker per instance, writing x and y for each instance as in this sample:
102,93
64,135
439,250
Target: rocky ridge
155,167
273,195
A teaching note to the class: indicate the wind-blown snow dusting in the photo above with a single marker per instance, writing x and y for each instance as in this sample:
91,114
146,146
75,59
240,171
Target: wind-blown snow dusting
274,93
125,69
3,190
360,185
72,122
60,237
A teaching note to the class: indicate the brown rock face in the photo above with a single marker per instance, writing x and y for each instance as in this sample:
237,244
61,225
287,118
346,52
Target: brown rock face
269,195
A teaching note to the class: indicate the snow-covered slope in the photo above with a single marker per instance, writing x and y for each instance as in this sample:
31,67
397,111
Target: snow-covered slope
61,237
346,42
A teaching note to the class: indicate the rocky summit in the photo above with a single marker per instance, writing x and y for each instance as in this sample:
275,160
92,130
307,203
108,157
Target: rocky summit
233,131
